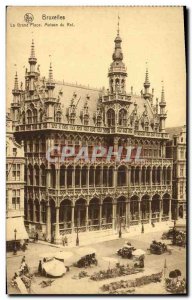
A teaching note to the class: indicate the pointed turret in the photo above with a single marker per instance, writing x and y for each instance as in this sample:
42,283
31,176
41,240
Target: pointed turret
146,85
32,59
50,83
16,91
16,85
162,113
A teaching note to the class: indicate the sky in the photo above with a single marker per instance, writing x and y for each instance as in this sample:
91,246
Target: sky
82,52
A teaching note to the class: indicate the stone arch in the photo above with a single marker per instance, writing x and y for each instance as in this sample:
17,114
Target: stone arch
134,207
107,210
121,206
166,201
80,212
65,213
145,207
94,211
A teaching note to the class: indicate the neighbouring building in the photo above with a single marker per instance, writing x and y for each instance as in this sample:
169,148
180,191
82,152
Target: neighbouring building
15,163
176,148
61,196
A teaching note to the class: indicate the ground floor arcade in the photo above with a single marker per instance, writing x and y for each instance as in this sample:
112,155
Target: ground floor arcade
97,214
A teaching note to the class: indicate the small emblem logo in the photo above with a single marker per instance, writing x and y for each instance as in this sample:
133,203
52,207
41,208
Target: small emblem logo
28,18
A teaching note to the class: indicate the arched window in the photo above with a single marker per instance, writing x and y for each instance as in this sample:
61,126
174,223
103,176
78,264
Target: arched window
122,117
35,116
111,117
58,117
29,117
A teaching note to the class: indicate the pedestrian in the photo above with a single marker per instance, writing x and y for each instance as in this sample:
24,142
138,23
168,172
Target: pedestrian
63,240
40,267
36,236
66,241
142,228
23,259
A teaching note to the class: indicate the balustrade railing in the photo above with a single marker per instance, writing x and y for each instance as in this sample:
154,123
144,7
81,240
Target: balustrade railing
106,226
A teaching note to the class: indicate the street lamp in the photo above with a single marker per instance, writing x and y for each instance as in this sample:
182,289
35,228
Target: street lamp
120,232
77,239
15,246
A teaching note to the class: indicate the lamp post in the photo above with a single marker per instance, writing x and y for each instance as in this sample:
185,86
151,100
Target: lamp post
120,232
15,246
77,239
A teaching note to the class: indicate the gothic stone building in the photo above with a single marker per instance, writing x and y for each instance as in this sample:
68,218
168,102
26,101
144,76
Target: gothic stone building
91,195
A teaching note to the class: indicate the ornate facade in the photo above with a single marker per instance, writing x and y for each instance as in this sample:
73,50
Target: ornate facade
61,196
176,148
15,162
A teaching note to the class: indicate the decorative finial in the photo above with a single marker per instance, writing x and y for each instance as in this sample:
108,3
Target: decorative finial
118,25
16,86
50,73
147,75
162,92
32,49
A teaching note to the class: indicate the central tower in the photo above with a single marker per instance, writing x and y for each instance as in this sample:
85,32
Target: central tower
117,72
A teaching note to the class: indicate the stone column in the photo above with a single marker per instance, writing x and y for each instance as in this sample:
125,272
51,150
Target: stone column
129,177
40,214
72,219
134,176
160,210
114,177
101,176
34,212
87,217
73,177
150,212
87,179
80,177
150,177
145,176
114,206
65,178
94,177
48,223
140,176
57,232
139,210
169,209
127,209
161,176
100,216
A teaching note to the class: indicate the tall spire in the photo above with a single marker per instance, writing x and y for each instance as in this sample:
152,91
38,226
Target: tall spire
50,73
162,93
32,59
146,83
118,26
16,85
32,49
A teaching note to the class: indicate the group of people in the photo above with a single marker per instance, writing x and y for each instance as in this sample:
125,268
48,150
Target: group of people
22,277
